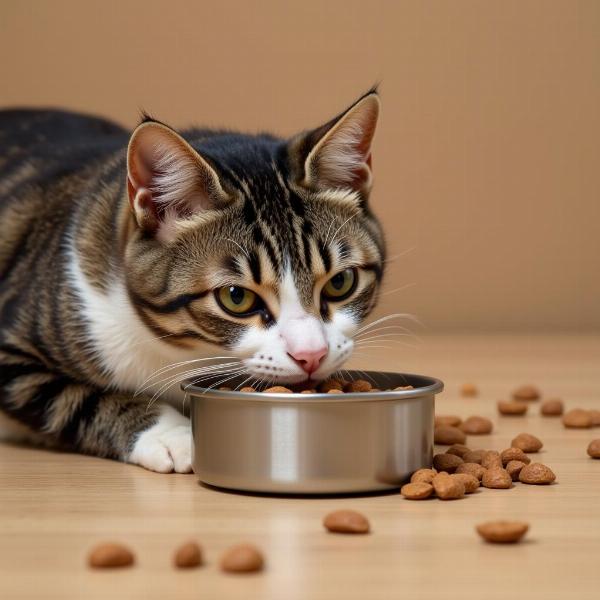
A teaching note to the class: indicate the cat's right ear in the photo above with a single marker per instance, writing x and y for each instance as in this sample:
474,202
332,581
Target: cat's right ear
168,182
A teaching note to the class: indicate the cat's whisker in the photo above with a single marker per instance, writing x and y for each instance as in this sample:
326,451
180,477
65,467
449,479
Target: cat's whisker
180,364
403,330
400,289
238,245
220,382
389,317
390,336
338,229
400,255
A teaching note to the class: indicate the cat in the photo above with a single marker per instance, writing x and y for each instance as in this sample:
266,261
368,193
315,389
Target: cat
128,256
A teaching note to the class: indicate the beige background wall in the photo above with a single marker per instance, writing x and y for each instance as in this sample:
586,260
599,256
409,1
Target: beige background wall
487,160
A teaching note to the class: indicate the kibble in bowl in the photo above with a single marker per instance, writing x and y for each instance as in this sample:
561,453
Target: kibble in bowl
367,433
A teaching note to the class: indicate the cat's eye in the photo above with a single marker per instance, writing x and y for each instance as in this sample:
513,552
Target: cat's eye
340,286
238,300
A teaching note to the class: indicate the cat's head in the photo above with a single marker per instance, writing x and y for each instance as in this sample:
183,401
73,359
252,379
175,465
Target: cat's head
263,246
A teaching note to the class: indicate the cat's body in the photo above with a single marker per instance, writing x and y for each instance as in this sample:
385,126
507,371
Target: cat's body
117,261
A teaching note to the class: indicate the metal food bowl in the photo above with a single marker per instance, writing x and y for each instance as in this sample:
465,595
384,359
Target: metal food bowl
313,443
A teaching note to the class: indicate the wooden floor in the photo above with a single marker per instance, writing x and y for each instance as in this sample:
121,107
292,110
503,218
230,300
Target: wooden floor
54,507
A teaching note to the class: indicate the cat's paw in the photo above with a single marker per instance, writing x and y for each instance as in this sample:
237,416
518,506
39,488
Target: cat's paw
166,446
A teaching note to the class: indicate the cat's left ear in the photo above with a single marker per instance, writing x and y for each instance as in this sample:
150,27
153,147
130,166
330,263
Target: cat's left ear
337,155
168,181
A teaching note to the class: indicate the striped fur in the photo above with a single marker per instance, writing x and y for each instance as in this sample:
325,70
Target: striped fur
104,281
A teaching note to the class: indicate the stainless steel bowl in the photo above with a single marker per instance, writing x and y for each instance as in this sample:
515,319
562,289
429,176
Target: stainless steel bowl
313,443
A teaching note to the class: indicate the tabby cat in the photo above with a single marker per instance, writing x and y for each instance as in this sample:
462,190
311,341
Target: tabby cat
125,256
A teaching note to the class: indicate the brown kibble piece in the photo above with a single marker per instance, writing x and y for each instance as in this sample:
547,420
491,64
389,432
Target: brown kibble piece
527,442
491,459
502,532
513,468
471,469
346,521
458,449
594,449
308,392
468,389
552,408
477,426
514,454
595,414
187,556
510,407
247,389
360,385
473,456
526,392
447,420
417,491
497,479
577,419
334,391
404,387
330,384
447,435
244,558
110,556
536,474
446,462
470,482
278,389
225,388
447,487
423,476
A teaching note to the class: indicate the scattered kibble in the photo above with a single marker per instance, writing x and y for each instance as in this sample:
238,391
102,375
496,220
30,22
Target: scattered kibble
110,556
552,408
526,392
416,491
244,558
514,454
536,474
446,435
477,426
474,456
447,462
527,442
577,418
502,532
447,420
595,414
346,521
470,482
423,476
497,479
188,556
447,487
512,407
471,469
594,449
458,449
468,390
513,468
491,459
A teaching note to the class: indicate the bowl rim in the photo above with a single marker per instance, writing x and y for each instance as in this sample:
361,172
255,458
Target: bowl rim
434,386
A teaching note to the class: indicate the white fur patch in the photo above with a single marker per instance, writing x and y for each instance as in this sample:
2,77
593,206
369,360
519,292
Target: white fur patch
166,446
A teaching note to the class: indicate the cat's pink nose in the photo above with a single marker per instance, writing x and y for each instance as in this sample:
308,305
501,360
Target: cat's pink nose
309,360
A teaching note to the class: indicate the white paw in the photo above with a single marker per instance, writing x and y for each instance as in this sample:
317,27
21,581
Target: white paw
166,446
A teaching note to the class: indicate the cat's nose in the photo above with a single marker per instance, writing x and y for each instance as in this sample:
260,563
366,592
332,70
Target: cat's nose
309,360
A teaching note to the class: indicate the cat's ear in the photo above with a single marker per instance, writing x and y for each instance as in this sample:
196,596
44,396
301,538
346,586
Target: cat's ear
167,180
337,155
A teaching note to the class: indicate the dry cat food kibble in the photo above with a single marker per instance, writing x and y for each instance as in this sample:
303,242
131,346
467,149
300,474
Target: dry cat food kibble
491,459
247,389
594,449
510,407
595,414
536,474
447,462
447,420
577,418
278,389
188,555
476,426
110,556
416,491
471,469
514,454
447,487
423,476
527,442
468,390
360,385
446,435
526,392
470,482
497,479
474,456
330,384
552,408
346,521
513,468
244,558
502,532
458,449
